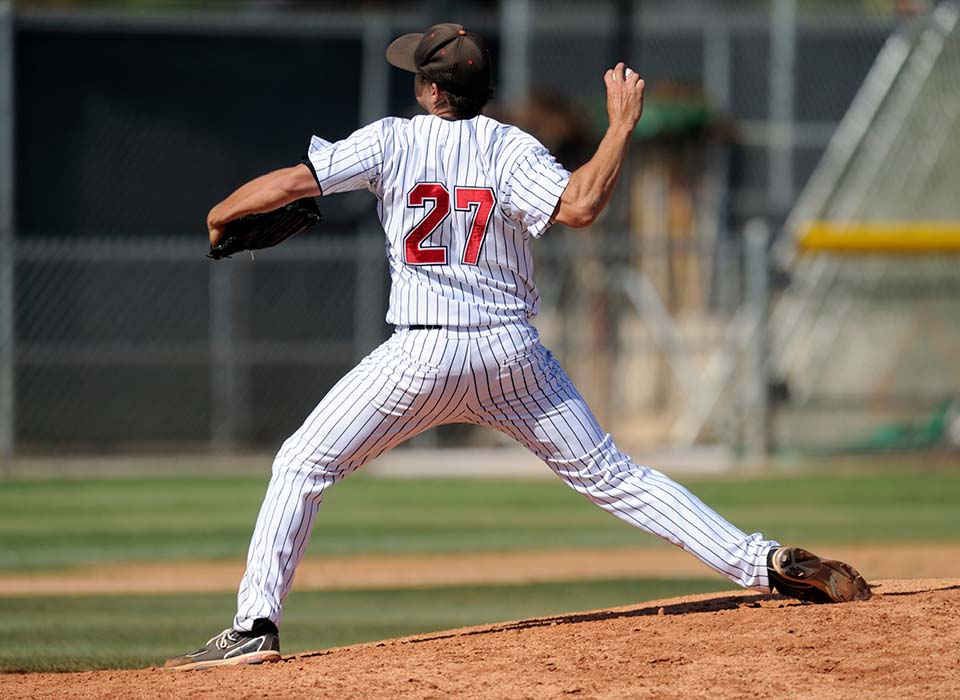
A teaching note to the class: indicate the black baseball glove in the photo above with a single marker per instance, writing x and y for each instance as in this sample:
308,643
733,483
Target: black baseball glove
256,231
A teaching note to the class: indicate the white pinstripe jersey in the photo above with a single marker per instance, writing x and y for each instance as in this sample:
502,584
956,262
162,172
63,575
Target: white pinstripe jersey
459,201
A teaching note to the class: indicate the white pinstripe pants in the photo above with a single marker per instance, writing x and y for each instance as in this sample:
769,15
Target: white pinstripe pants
501,377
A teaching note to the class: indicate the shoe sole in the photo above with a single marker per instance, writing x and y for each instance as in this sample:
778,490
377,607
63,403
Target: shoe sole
258,657
837,579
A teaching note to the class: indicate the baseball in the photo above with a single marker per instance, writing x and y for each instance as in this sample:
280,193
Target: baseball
627,73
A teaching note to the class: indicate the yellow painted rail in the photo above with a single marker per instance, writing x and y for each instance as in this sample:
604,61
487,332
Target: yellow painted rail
881,236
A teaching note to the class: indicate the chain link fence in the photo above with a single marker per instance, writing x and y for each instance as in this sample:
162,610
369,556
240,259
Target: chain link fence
867,342
146,341
135,344
126,338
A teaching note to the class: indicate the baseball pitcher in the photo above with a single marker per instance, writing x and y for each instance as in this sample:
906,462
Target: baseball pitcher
461,198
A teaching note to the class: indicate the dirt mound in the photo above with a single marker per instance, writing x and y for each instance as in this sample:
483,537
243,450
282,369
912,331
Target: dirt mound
902,644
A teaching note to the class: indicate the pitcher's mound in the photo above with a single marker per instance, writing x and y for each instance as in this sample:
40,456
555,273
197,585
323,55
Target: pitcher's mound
904,643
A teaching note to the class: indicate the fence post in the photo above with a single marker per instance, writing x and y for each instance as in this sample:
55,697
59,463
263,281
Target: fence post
515,30
7,242
783,49
228,403
369,295
717,48
375,75
757,409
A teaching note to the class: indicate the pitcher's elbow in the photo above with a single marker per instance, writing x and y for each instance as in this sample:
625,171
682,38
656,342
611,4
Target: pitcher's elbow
584,214
576,213
297,182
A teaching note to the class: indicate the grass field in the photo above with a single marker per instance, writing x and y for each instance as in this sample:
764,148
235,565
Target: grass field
46,524
52,523
82,633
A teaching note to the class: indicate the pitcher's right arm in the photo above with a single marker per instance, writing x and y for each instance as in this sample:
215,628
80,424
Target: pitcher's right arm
591,185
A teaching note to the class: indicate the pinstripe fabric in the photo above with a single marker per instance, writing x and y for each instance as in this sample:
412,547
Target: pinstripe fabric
459,202
499,376
392,156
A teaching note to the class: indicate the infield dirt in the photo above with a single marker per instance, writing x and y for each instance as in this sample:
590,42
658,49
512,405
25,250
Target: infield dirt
904,643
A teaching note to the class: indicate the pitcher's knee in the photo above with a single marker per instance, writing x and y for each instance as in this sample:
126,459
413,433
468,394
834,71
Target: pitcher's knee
599,469
296,456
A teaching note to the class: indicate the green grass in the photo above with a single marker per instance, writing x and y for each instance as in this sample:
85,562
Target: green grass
81,633
55,523
47,524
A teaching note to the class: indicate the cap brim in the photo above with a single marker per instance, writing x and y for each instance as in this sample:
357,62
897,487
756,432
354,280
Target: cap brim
401,50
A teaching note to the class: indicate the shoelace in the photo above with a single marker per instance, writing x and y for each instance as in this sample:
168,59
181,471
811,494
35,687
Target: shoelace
226,638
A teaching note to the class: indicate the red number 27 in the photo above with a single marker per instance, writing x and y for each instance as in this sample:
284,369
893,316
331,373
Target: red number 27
478,199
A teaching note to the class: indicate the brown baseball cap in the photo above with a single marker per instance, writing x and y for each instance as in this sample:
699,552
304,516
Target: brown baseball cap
446,54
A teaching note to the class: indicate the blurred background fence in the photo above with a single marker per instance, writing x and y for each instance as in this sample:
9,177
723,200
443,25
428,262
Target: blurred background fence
122,123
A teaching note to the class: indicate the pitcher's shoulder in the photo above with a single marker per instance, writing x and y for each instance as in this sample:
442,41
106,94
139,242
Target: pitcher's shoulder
502,129
391,124
508,142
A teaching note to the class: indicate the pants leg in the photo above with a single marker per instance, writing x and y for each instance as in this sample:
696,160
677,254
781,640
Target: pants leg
528,396
407,385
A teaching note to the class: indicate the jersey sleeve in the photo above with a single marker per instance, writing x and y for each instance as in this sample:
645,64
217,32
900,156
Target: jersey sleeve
351,164
533,188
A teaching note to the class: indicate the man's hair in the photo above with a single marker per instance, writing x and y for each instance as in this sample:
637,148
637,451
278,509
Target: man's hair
467,107
463,106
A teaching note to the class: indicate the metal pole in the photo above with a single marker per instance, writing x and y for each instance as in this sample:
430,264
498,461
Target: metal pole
515,51
757,429
7,242
369,295
783,48
716,61
223,371
375,79
625,12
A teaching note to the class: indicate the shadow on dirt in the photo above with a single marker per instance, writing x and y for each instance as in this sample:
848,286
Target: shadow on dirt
721,602
726,602
879,590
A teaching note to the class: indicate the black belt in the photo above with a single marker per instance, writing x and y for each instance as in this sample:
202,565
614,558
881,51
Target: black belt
425,328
